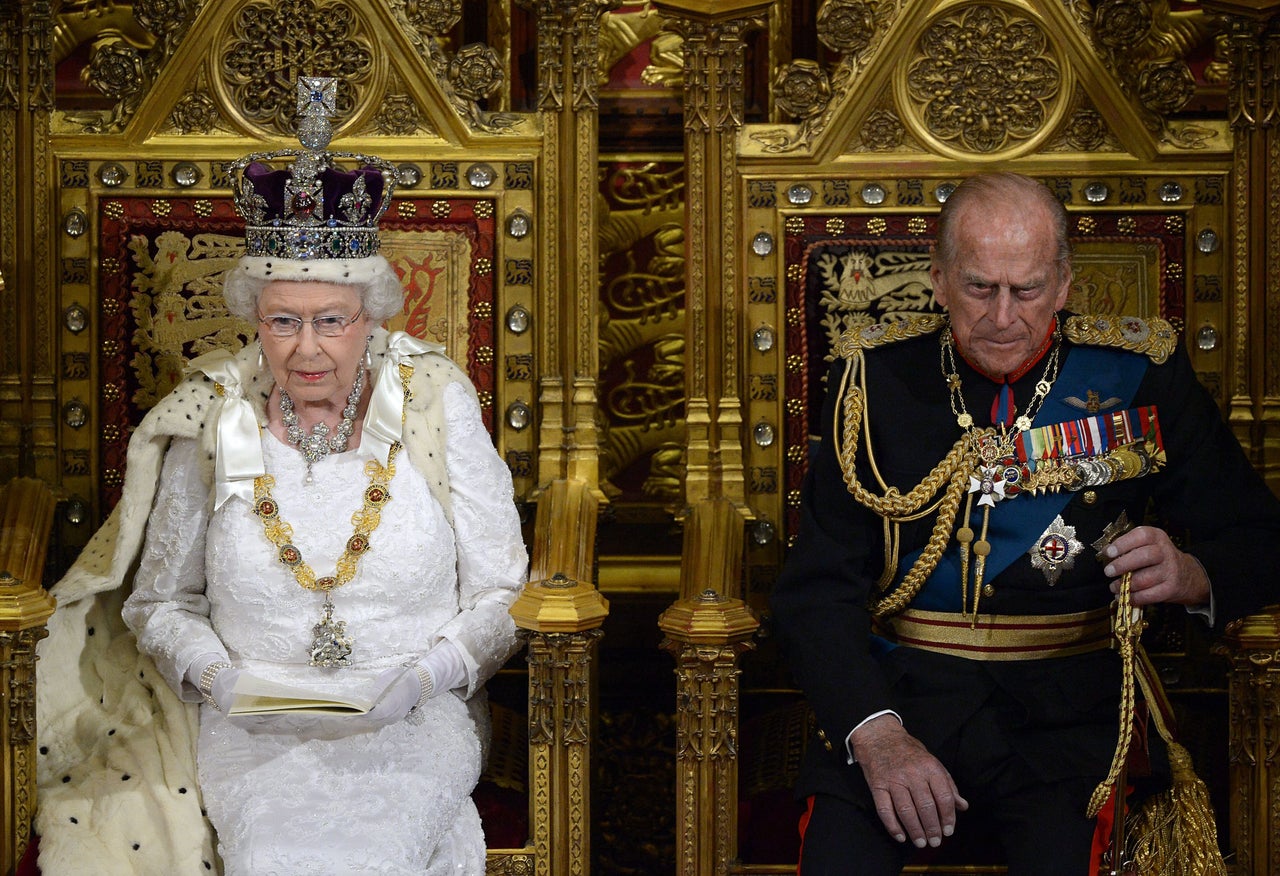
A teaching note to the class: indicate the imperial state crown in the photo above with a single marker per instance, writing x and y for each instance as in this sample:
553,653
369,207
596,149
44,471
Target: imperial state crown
310,203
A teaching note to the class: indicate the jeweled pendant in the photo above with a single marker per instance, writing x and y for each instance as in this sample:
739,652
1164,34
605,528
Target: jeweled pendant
331,646
315,446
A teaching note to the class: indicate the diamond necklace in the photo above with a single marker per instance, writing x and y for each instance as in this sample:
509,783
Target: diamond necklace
318,444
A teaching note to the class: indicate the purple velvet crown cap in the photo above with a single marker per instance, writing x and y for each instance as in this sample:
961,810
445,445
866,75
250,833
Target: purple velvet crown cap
335,183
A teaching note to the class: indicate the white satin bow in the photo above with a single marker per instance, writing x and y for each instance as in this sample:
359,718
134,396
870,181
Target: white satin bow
384,421
239,455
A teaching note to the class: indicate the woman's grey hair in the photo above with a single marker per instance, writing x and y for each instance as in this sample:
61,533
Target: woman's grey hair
380,289
990,187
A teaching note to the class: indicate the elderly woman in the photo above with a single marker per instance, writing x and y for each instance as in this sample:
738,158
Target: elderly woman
330,514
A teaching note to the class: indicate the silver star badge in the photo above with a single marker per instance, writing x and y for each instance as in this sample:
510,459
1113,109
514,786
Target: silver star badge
1055,550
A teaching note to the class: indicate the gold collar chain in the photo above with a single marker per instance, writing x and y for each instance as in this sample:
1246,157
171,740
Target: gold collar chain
994,453
331,645
1023,422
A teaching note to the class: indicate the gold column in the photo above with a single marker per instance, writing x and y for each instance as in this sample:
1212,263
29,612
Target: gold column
27,402
706,632
559,615
713,32
1253,643
568,101
1253,646
1253,41
26,515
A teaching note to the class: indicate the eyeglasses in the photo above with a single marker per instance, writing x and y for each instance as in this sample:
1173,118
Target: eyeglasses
326,326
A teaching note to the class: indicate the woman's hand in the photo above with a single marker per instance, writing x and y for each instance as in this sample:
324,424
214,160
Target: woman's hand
223,689
215,678
401,689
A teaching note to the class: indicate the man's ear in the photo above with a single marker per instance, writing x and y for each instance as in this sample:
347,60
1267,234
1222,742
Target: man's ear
938,281
1066,275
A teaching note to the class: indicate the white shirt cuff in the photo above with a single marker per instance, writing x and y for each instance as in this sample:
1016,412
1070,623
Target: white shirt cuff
848,740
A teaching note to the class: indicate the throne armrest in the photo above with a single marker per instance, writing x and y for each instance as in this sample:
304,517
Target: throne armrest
26,518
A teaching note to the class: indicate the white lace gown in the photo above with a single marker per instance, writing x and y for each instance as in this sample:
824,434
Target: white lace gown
308,795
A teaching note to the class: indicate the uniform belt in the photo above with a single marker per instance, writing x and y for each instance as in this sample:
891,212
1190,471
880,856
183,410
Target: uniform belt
1000,637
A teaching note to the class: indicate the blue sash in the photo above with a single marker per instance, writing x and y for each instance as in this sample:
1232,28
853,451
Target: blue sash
1018,521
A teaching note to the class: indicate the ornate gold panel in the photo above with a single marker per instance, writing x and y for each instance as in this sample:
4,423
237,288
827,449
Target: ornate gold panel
983,80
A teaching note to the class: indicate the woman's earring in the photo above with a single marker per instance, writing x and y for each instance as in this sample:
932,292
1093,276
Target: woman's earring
262,356
368,356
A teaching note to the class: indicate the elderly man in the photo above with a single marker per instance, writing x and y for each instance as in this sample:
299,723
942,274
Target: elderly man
966,523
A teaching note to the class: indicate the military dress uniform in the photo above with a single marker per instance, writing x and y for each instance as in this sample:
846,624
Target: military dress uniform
1001,667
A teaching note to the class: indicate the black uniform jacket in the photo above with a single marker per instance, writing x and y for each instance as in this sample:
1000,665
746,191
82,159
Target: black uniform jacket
1062,711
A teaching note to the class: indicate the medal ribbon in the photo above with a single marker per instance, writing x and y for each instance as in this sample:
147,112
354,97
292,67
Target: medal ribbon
1088,437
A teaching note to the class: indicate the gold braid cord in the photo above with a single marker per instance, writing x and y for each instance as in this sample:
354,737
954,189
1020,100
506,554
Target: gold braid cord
1172,833
952,473
1128,628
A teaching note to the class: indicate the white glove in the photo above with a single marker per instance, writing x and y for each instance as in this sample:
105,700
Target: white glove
217,684
402,689
224,683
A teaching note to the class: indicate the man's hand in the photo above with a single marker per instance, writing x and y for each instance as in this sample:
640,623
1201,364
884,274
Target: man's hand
914,794
1161,572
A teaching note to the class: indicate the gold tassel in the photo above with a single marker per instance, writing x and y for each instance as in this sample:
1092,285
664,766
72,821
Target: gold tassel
1173,832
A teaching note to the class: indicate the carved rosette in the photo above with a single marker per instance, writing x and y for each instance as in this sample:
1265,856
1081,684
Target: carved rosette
475,72
882,131
1087,131
519,864
195,113
983,81
161,17
1122,24
398,115
846,26
1166,88
115,69
802,89
434,17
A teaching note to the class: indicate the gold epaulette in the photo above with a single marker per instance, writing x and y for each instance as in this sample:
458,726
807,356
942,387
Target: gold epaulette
880,333
1153,338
